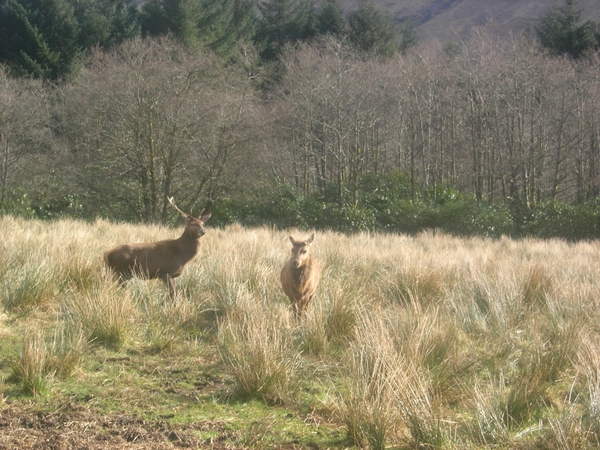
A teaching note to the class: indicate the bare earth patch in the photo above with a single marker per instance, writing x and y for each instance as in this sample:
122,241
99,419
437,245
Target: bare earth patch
75,427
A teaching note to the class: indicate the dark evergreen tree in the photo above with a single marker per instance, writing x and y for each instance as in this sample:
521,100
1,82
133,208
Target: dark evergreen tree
39,38
409,37
106,22
330,19
282,22
215,24
372,30
562,32
153,18
177,17
226,22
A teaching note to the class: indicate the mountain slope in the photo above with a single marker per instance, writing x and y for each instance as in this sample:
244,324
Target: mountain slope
445,20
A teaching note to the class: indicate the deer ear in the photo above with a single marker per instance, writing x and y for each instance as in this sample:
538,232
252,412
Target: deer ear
292,240
205,217
311,238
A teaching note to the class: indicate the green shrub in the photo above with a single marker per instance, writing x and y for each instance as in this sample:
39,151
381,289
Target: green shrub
568,221
17,203
390,202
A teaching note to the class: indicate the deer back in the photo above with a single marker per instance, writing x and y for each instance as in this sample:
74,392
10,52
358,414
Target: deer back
155,259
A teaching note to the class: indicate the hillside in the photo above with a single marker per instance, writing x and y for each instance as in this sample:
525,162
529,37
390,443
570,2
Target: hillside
447,19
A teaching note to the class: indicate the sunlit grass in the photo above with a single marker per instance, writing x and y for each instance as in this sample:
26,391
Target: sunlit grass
105,313
43,356
367,401
30,370
258,347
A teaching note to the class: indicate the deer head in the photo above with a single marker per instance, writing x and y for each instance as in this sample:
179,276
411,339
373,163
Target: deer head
194,226
300,251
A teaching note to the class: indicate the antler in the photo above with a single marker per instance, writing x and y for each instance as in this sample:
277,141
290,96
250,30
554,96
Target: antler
184,215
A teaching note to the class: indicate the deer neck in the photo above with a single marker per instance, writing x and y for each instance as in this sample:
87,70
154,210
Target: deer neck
299,272
188,243
188,237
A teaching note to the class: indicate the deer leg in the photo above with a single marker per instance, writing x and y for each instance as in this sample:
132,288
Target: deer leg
170,282
296,310
302,305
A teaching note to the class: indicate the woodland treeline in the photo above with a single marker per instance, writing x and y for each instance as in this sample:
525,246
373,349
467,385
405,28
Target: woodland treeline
495,135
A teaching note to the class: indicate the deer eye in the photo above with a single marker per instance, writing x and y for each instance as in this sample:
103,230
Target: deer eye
303,252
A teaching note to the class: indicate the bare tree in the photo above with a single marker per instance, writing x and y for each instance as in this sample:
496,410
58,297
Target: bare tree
494,119
588,163
23,129
149,120
333,102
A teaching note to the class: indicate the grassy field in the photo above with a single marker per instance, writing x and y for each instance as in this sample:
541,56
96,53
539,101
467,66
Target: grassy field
425,341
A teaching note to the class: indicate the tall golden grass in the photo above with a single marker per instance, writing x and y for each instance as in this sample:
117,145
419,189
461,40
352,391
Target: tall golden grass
427,341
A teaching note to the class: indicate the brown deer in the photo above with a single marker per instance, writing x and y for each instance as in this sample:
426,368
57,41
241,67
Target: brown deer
163,259
300,276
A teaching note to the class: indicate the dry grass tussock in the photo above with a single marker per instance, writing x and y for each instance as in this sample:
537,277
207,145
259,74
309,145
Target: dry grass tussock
427,341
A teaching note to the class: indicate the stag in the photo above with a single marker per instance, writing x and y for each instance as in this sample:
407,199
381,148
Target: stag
300,276
163,259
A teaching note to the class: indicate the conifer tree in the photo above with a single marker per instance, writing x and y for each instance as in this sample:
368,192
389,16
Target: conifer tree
106,23
215,24
176,17
409,37
562,32
372,30
330,19
226,22
282,22
39,38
